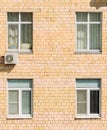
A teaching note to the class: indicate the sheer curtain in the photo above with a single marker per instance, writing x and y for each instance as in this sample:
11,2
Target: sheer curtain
26,31
81,101
13,31
26,36
81,31
13,36
88,31
81,37
95,31
13,102
20,24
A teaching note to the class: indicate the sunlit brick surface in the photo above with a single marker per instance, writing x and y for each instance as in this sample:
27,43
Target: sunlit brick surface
53,65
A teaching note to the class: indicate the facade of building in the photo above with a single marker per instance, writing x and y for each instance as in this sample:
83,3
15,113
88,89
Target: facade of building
53,65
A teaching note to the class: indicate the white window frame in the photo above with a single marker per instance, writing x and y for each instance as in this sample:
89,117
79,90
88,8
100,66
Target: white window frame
88,23
88,115
19,115
19,23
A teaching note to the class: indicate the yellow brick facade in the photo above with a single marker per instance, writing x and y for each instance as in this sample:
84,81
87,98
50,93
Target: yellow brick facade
53,65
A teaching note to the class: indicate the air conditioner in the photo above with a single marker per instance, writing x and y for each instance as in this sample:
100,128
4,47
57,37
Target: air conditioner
11,58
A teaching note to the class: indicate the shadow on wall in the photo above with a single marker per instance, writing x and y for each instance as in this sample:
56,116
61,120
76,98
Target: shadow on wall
98,3
5,67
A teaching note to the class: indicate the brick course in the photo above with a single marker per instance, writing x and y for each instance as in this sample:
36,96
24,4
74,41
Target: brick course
54,65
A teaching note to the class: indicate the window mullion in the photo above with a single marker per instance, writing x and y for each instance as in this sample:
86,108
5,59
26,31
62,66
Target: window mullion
19,32
20,102
88,102
88,34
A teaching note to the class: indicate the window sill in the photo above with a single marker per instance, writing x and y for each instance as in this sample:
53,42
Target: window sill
20,52
19,117
88,52
88,117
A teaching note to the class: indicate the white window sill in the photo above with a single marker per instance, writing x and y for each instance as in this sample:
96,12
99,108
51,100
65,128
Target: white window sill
19,117
88,117
21,51
88,52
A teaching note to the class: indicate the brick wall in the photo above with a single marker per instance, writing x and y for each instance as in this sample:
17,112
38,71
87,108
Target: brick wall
54,65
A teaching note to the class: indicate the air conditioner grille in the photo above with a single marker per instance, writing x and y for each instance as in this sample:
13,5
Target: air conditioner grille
9,58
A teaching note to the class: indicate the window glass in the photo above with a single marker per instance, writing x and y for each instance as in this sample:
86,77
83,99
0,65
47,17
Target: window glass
81,102
13,17
89,31
12,36
81,17
19,97
20,31
95,17
26,17
26,102
95,37
13,102
88,83
94,101
81,36
13,108
13,96
26,36
88,99
20,83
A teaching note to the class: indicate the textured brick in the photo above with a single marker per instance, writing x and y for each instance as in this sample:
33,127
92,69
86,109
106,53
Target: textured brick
54,65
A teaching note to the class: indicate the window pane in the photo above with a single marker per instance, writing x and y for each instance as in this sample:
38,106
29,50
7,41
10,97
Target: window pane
81,108
81,96
20,83
26,37
81,17
95,17
26,17
13,108
26,102
12,36
81,101
81,36
13,96
13,17
94,101
88,83
95,37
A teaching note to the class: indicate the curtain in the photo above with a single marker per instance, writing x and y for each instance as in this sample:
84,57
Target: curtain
13,102
81,36
88,31
95,37
26,36
12,36
81,102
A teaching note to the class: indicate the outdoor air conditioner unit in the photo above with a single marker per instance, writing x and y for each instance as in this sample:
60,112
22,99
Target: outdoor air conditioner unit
11,58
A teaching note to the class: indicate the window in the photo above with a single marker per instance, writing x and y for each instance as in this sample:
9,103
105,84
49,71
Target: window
88,31
19,98
20,31
88,97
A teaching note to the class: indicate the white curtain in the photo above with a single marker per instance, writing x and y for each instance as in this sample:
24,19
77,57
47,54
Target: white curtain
93,38
13,102
81,102
12,36
26,36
